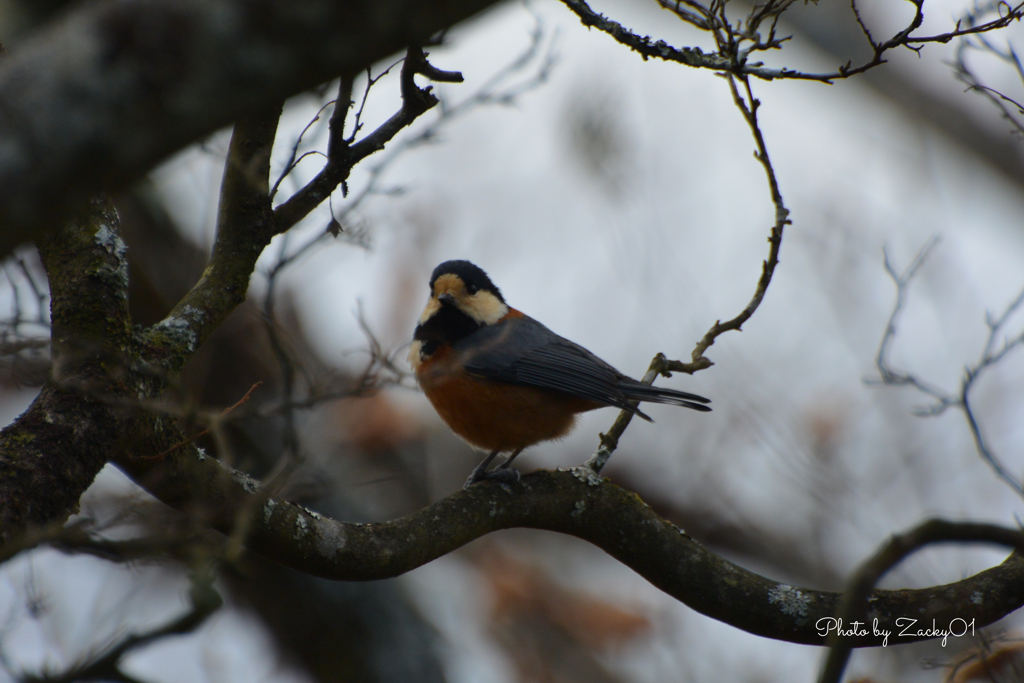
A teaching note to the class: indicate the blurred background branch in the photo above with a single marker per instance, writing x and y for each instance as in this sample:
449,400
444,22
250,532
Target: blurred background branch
997,346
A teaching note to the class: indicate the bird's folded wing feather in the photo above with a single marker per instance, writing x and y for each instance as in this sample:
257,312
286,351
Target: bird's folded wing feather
522,351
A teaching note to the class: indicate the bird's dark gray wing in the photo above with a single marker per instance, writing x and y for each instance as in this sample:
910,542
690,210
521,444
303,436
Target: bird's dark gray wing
522,351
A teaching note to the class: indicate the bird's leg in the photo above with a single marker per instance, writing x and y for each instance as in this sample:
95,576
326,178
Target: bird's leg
479,473
503,473
505,465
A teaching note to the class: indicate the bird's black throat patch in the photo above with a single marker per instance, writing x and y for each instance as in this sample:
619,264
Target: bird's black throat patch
446,326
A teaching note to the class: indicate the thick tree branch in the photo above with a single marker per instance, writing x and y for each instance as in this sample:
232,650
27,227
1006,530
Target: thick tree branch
245,225
46,459
99,98
88,275
853,608
586,507
106,377
87,267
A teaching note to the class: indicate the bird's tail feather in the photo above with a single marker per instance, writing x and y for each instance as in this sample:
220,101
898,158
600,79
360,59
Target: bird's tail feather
643,392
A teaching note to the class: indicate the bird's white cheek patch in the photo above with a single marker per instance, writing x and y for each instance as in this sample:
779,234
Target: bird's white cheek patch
485,308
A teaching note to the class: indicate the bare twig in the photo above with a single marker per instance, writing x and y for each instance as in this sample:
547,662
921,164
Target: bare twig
902,282
1010,109
748,106
106,665
997,347
494,91
743,38
344,153
206,431
294,157
25,331
610,439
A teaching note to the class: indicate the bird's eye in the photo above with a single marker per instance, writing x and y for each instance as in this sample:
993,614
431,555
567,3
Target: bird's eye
471,289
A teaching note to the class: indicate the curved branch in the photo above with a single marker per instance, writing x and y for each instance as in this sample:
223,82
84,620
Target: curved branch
575,503
748,106
853,609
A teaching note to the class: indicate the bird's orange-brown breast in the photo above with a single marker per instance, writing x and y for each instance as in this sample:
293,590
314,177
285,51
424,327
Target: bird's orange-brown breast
495,415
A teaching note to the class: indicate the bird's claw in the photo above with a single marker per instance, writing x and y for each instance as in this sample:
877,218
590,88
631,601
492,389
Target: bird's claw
501,474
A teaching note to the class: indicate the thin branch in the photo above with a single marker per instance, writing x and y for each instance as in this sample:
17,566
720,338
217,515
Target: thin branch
371,81
690,12
902,282
1010,109
343,153
996,348
191,439
971,374
748,106
610,439
290,435
294,158
106,665
25,333
493,91
740,44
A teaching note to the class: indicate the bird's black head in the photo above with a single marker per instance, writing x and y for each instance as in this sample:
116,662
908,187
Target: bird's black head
462,300
472,276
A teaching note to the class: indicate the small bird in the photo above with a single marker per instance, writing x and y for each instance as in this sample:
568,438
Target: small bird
502,381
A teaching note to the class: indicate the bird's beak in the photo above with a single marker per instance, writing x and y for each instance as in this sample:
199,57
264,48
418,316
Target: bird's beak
447,299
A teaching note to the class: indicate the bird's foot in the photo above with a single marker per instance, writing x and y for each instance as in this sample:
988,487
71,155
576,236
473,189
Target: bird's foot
501,474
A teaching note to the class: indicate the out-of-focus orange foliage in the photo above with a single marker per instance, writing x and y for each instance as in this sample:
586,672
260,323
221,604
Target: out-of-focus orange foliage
374,423
522,588
996,664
